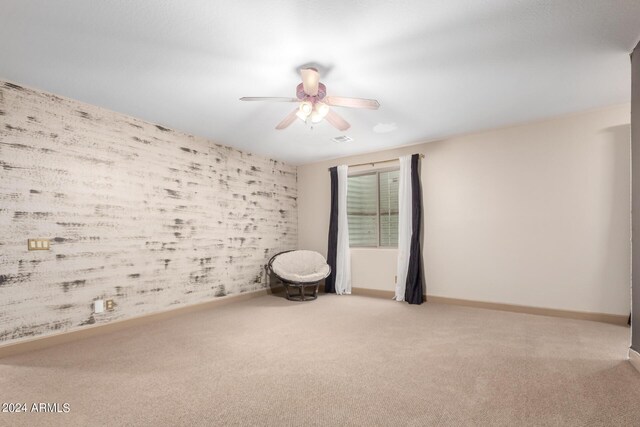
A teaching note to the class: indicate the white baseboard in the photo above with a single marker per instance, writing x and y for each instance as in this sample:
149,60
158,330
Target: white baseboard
44,341
616,319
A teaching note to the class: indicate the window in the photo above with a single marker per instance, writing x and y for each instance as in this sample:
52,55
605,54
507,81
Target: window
372,209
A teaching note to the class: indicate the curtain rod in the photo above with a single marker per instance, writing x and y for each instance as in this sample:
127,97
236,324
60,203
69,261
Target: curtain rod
377,162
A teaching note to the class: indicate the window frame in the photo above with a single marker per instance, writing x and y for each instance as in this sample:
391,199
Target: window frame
377,173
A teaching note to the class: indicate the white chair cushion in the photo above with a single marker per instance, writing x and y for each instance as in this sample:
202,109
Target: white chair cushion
300,266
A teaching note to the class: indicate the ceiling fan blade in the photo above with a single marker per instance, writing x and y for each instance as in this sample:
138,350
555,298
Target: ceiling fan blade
267,98
336,121
340,101
310,80
286,122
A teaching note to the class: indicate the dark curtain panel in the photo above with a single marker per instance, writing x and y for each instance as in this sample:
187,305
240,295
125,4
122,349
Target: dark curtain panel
413,290
332,249
635,198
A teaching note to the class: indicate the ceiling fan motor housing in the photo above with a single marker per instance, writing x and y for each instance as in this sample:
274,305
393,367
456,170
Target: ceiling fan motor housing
301,94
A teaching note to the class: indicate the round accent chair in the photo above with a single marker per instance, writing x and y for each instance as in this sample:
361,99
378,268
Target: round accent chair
299,269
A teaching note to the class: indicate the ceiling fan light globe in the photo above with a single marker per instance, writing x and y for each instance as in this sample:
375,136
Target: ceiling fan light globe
321,108
302,116
306,107
316,117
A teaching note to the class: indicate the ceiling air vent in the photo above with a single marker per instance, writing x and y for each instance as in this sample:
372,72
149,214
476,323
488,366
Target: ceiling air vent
342,138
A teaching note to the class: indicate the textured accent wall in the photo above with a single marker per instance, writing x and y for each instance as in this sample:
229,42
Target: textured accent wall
136,212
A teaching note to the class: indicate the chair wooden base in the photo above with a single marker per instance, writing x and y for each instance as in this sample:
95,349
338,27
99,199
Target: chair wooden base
302,295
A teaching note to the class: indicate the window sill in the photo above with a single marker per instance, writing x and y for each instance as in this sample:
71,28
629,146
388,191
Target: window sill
372,248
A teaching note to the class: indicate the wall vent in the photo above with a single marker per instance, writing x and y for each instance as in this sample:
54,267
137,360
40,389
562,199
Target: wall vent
342,138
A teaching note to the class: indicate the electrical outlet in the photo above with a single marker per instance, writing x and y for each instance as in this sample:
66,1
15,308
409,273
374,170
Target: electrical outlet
98,306
38,244
110,305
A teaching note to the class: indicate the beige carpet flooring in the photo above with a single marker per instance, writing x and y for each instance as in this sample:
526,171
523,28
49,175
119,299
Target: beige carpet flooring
346,360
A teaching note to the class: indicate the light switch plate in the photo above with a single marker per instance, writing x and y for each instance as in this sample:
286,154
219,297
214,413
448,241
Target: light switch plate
98,306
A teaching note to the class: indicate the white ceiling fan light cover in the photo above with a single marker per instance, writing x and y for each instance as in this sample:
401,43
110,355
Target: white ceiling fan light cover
306,107
322,108
315,117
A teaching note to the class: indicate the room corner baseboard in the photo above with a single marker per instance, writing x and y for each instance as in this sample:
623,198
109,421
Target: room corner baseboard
634,358
45,341
615,319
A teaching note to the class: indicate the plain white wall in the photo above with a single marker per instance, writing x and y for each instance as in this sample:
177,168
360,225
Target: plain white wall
535,215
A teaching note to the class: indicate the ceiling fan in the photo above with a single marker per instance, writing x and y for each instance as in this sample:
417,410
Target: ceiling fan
314,105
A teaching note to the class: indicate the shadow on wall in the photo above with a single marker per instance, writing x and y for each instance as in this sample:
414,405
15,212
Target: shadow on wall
273,283
616,204
433,149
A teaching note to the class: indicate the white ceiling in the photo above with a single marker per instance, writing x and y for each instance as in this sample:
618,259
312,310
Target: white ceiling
438,68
